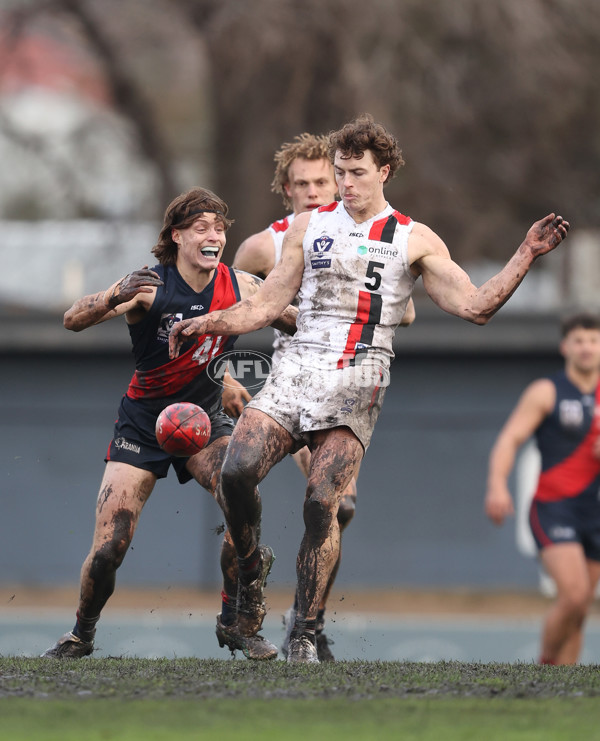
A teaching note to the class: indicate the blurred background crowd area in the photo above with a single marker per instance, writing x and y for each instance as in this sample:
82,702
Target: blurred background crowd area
108,110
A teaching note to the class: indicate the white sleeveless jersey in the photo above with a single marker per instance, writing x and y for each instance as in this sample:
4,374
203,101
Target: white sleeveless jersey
356,285
278,230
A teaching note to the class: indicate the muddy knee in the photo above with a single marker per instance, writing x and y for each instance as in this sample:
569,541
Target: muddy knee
239,470
111,553
318,516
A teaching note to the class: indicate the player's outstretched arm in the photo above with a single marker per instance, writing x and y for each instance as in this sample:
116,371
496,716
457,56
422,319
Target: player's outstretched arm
536,402
451,288
115,301
249,284
262,307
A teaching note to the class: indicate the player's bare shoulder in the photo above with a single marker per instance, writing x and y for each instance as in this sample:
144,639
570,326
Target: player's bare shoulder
541,393
424,244
256,254
297,228
247,282
423,241
536,403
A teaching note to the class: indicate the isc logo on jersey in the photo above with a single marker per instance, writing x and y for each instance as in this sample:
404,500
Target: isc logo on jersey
320,257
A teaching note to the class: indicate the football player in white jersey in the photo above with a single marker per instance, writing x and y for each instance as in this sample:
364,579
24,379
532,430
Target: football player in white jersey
304,179
354,265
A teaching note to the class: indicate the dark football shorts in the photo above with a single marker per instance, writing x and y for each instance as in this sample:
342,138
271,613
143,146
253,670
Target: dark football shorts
572,520
134,440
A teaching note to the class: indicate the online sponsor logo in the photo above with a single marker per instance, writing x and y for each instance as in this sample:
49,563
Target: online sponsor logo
377,251
248,367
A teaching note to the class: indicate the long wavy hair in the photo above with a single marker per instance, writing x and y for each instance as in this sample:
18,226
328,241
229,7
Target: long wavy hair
181,214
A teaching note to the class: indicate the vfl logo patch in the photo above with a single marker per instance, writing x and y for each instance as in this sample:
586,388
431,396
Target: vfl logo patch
165,324
320,258
570,412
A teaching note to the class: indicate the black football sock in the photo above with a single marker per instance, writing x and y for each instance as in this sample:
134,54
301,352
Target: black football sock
85,628
320,620
228,611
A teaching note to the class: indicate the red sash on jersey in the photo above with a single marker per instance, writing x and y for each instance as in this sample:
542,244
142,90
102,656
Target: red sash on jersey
171,377
573,475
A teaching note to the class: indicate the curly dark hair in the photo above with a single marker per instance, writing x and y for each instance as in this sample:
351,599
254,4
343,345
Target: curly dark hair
308,147
355,137
582,320
181,213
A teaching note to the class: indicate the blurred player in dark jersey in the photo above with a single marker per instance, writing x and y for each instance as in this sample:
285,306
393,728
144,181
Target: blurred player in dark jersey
562,413
189,281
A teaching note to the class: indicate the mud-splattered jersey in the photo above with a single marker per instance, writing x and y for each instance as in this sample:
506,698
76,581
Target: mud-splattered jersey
278,230
355,288
565,439
185,377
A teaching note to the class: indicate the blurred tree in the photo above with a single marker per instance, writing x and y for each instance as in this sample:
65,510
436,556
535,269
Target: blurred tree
495,103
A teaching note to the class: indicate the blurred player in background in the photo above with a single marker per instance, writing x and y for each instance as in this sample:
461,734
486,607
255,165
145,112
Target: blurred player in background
562,413
354,264
188,281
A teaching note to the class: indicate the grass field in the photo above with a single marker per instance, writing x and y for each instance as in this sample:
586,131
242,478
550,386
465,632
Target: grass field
220,699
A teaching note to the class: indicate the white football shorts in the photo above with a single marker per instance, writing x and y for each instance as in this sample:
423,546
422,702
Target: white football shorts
304,397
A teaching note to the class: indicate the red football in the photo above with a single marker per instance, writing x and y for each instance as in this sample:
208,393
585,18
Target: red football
182,429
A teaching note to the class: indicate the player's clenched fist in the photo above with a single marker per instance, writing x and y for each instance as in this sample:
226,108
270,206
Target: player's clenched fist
140,281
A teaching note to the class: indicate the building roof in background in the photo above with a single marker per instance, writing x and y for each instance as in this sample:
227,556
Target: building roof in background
38,60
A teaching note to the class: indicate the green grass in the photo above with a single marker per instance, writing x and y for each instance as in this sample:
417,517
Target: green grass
133,699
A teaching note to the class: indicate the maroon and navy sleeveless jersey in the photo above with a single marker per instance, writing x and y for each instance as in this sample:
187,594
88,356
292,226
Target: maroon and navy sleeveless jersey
184,378
565,440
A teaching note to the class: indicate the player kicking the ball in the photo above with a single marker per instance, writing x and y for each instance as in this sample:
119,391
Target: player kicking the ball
189,281
305,180
354,265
